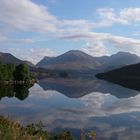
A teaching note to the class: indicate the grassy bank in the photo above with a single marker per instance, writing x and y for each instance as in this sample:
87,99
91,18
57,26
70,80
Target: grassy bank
10,130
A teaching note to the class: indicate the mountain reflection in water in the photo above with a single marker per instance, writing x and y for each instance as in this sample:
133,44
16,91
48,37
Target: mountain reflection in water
76,88
74,104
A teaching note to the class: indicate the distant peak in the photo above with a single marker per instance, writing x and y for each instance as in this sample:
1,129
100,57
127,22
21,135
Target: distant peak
124,53
74,51
46,57
6,54
120,52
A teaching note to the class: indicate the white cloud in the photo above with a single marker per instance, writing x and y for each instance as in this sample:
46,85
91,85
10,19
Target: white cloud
3,38
97,111
79,25
125,44
36,54
20,41
101,42
26,16
130,14
108,17
33,54
37,90
95,49
97,101
14,41
86,36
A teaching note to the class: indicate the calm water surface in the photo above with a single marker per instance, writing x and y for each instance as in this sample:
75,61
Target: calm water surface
77,104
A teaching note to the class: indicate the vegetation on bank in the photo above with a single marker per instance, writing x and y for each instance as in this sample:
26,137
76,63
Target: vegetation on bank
22,74
11,72
10,130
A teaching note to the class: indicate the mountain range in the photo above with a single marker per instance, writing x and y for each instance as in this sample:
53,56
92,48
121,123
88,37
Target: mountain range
80,61
71,60
6,58
77,61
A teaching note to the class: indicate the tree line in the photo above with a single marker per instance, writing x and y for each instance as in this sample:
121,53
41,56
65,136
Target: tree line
12,72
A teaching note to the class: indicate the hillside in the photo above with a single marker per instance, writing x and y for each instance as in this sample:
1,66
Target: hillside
71,60
128,76
6,58
119,60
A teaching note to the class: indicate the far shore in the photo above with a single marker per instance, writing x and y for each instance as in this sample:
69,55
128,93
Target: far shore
19,82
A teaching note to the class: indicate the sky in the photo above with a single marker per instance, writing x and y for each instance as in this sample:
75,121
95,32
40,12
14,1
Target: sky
32,29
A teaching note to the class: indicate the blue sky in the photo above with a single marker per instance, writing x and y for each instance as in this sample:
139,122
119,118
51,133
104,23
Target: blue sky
32,29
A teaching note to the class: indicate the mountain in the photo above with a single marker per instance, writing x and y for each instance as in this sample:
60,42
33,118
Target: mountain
44,61
6,58
9,58
71,60
128,76
77,62
118,60
80,61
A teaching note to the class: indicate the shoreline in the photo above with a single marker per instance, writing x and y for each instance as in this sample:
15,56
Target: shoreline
14,82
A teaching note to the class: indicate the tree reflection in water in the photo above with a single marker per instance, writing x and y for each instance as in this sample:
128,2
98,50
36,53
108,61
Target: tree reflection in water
20,91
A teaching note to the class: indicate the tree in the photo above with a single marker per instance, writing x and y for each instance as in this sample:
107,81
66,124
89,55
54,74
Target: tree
3,72
22,73
10,71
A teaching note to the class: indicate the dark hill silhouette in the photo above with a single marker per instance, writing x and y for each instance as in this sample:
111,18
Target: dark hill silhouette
128,76
6,58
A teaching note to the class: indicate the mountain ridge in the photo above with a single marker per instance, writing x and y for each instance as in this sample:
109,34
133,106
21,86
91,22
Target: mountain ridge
79,60
73,59
9,58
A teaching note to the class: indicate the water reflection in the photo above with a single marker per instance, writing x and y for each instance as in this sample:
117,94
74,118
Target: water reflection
111,110
76,88
19,91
